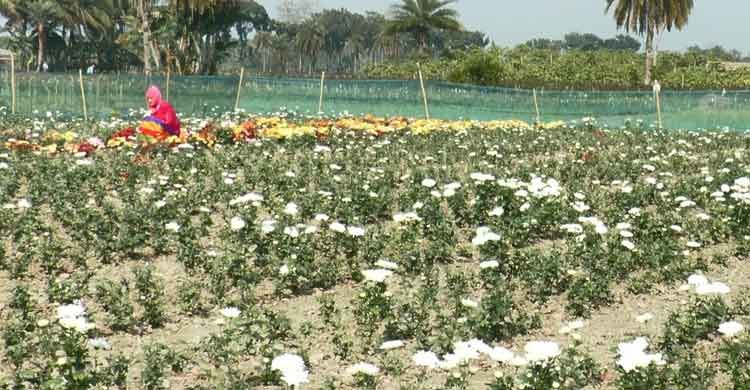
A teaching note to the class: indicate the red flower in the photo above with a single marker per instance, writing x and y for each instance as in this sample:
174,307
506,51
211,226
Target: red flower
86,148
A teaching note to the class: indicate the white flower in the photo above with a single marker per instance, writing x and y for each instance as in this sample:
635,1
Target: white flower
469,303
426,359
392,344
85,162
406,217
268,226
291,209
712,288
635,211
541,350
481,177
731,328
23,204
363,368
573,228
693,244
697,280
291,231
98,343
249,197
71,311
644,317
497,212
237,223
633,355
676,228
321,217
172,226
581,207
3,165
376,275
337,227
628,244
489,264
356,231
284,270
429,183
417,206
385,264
159,204
483,235
501,354
230,312
292,367
525,207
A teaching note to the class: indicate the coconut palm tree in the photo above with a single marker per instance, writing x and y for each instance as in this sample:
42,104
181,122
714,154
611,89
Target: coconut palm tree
310,40
650,17
263,42
419,17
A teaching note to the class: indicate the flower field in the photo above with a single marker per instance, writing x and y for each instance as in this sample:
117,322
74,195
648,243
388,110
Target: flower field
335,253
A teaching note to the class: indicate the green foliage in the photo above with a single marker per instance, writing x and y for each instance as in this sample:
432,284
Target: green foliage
150,292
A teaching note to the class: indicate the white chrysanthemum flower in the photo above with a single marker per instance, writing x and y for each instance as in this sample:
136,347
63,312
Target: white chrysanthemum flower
23,204
573,228
291,209
571,326
230,312
633,355
337,227
426,359
406,217
71,311
581,207
469,303
693,244
3,165
484,235
385,264
376,275
537,351
392,344
172,226
676,228
429,183
489,264
356,231
292,367
626,234
284,270
718,288
321,217
628,244
697,280
159,204
497,212
731,328
363,368
501,354
291,231
98,343
525,206
249,197
644,317
417,206
237,223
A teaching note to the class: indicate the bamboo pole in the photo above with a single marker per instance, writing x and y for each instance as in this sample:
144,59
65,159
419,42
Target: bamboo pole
239,89
83,95
13,83
536,107
320,102
168,74
657,92
424,92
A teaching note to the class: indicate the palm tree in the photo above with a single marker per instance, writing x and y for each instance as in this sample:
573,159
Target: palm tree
44,15
419,17
649,17
310,40
263,42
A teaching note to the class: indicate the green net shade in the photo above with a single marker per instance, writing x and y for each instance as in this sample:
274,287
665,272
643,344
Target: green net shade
109,94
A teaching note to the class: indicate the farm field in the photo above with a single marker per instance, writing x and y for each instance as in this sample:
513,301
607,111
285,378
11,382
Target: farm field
369,253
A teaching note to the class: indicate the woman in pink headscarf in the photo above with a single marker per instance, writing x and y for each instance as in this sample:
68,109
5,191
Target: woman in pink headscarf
162,123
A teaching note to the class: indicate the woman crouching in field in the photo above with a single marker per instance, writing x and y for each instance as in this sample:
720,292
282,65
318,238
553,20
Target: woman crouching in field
162,123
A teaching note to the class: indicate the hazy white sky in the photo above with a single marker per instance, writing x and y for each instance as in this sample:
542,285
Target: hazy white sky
507,22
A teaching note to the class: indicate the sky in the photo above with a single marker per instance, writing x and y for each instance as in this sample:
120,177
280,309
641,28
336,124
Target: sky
508,23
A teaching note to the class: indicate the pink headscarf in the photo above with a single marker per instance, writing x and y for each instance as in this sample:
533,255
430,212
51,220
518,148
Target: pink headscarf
154,93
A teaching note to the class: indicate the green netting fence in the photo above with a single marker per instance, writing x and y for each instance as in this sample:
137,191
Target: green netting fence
109,94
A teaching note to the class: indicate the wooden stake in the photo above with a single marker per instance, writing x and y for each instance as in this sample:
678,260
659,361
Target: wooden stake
13,83
239,89
536,106
168,74
320,102
83,95
657,92
424,92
